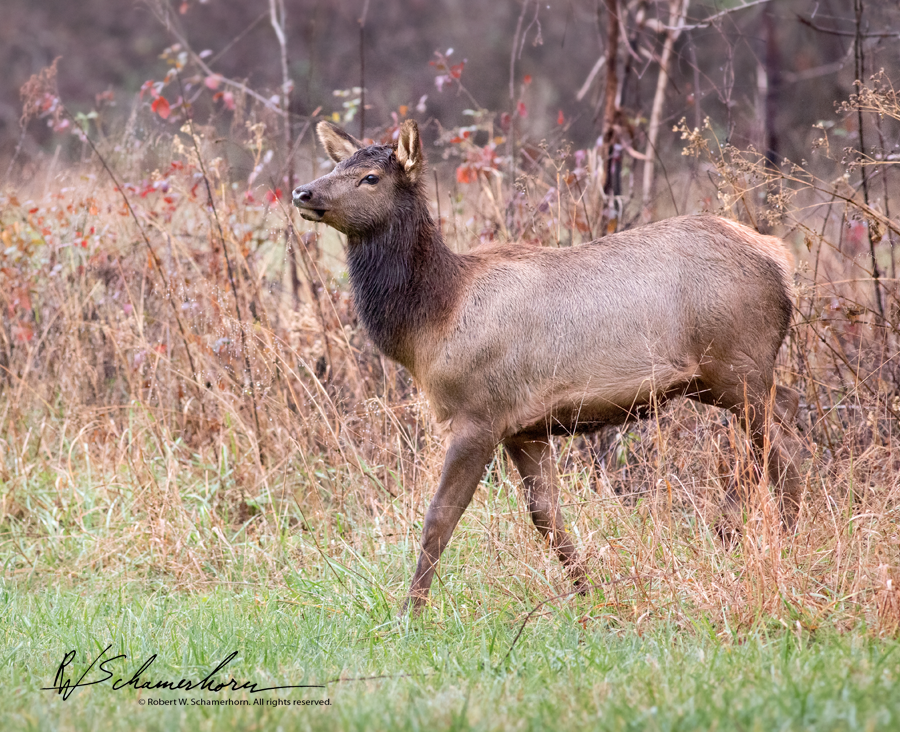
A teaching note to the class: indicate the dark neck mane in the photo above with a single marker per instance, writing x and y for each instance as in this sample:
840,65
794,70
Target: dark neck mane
404,279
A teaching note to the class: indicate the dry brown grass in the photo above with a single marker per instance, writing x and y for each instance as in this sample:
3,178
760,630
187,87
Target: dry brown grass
148,430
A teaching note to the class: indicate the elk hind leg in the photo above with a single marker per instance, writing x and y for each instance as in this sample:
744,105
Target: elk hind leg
768,415
785,470
534,461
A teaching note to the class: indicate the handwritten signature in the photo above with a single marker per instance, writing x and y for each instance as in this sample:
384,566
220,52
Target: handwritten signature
64,684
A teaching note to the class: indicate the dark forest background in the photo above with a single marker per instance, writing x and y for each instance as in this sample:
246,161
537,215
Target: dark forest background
765,73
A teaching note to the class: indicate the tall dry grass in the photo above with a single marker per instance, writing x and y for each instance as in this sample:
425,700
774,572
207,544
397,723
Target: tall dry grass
188,396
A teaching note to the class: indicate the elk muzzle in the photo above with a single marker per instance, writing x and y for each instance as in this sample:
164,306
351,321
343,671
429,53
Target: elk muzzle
304,199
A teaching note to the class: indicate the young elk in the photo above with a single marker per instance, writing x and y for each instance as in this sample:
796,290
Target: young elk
515,343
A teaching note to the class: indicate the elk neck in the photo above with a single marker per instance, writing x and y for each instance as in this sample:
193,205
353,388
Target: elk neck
405,281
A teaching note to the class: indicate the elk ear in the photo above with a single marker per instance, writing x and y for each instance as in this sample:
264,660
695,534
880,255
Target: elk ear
338,144
409,149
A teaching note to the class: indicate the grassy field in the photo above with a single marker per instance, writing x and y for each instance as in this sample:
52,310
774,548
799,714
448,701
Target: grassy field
201,454
609,661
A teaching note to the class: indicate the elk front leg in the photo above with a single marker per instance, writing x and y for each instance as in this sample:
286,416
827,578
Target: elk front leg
534,461
463,468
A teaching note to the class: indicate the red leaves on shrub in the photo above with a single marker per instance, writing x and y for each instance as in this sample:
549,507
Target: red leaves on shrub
22,332
479,160
20,299
161,106
448,72
461,137
148,86
466,174
227,99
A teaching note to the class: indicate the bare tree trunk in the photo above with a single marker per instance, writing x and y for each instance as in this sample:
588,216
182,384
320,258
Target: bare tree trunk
362,70
860,67
773,87
608,120
277,19
677,11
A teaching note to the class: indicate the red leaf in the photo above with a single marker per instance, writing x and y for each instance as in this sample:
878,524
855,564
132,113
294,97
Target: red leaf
527,79
22,332
273,196
560,118
22,298
521,110
457,69
161,107
466,174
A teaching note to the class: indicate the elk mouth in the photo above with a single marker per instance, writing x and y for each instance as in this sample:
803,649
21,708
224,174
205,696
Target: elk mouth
312,214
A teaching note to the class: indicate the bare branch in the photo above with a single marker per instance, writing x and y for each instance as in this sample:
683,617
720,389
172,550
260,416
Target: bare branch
590,78
162,12
707,22
848,34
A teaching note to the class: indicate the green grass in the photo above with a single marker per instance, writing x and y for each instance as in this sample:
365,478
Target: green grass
150,502
450,669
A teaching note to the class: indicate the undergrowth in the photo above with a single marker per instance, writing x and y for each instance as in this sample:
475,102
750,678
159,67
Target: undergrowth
188,398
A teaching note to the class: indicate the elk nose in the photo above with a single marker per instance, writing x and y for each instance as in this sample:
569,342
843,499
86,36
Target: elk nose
301,195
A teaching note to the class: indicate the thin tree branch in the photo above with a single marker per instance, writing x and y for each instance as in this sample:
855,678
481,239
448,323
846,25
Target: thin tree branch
162,13
707,22
846,34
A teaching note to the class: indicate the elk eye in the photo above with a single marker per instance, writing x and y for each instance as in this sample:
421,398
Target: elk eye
370,179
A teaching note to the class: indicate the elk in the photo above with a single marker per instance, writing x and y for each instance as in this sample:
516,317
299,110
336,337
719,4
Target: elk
515,343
